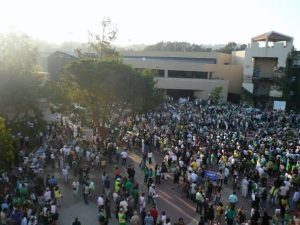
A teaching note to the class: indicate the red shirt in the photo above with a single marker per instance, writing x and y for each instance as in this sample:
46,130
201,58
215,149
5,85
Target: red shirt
154,213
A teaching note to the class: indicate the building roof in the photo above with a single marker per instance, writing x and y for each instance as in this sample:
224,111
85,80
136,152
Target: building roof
272,36
65,54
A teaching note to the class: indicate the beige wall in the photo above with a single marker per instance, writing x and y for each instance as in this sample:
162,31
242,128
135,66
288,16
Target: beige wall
232,73
202,87
237,57
173,54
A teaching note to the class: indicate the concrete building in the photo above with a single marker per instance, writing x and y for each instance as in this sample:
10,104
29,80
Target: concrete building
263,66
190,74
57,61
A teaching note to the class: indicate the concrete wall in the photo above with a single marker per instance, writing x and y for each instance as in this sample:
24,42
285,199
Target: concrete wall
232,73
173,54
277,51
238,57
202,87
265,65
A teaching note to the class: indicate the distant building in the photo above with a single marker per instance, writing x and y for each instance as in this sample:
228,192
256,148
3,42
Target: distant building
264,66
190,74
57,61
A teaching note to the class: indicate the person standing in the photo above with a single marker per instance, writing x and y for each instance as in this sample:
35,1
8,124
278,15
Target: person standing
154,214
233,199
122,217
86,192
124,155
58,196
65,173
199,201
149,219
76,222
75,186
135,219
245,184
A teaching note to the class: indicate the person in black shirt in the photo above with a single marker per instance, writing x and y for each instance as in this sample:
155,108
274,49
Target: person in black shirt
76,222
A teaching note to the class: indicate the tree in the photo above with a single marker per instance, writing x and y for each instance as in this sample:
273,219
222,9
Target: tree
6,146
215,94
104,86
232,46
19,81
177,47
102,43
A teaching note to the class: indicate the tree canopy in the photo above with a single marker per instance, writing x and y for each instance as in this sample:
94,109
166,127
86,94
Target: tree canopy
101,85
19,80
6,145
232,46
177,47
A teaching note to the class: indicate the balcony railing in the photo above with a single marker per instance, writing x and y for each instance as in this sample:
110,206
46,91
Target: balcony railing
267,76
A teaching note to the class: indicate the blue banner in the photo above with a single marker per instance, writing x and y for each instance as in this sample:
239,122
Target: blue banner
211,175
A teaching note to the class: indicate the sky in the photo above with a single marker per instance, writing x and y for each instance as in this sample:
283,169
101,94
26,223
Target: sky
151,21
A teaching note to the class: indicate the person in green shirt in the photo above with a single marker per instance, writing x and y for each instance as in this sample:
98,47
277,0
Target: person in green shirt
122,217
146,174
128,186
230,215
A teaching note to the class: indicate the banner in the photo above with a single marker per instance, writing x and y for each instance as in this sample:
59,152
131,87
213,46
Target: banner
211,175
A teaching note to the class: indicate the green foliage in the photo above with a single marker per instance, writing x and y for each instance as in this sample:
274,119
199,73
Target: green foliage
177,47
101,85
6,146
102,43
232,46
247,97
215,95
19,82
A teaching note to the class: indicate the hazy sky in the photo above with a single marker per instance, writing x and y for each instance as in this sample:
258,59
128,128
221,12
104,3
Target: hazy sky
141,21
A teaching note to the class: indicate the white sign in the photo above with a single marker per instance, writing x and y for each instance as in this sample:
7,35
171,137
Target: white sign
279,105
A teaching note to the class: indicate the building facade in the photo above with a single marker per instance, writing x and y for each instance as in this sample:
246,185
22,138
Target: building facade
190,74
57,61
264,66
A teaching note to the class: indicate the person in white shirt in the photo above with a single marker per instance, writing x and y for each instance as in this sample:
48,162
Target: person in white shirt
124,155
142,202
100,201
75,186
53,208
47,195
226,174
65,173
150,157
124,205
245,183
283,191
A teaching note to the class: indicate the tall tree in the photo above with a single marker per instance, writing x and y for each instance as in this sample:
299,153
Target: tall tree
232,46
6,146
101,42
103,86
19,81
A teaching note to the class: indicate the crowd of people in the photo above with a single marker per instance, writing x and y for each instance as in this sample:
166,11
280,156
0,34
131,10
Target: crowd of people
205,149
